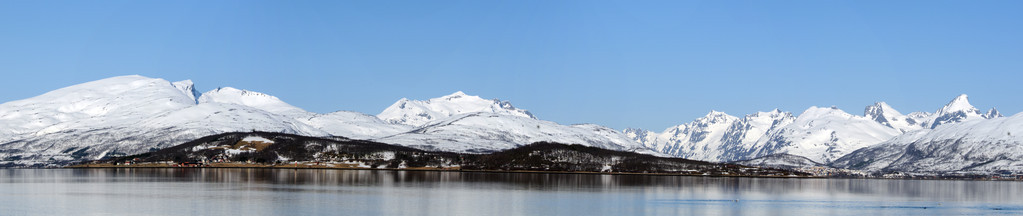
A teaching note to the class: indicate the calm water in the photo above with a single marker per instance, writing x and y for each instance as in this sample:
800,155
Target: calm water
363,192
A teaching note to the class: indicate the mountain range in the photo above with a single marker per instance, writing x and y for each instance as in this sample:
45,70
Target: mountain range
134,114
958,137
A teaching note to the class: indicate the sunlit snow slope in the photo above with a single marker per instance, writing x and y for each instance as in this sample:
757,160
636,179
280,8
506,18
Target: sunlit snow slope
134,114
819,134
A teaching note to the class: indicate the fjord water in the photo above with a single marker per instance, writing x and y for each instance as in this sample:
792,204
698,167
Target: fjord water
183,191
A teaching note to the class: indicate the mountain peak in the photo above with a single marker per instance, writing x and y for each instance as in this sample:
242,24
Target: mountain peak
957,110
99,103
135,85
960,103
772,114
715,113
188,88
884,114
418,113
879,111
234,93
229,95
993,113
882,104
457,94
716,116
821,112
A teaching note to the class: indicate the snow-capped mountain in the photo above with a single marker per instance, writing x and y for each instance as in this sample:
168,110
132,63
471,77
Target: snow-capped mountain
824,134
992,113
642,136
187,88
419,113
714,137
697,140
228,95
884,114
134,114
98,104
464,123
956,138
747,133
957,110
818,134
976,146
484,132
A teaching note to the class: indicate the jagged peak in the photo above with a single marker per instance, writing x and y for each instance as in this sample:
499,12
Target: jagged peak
715,113
880,109
957,110
401,103
773,113
919,114
187,87
993,113
634,130
882,105
961,97
715,116
959,103
186,82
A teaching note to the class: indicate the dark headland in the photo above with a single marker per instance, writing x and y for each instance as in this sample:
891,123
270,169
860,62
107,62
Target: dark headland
279,150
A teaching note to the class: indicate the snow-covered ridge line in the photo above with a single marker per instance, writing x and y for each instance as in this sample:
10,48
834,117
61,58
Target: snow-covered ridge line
133,114
819,134
420,113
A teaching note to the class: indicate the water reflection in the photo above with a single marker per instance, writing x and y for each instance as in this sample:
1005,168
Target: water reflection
177,191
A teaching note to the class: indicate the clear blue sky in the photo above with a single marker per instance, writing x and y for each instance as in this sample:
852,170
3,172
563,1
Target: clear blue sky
648,64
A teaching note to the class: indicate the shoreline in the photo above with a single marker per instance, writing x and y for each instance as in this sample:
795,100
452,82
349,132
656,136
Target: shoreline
322,167
257,166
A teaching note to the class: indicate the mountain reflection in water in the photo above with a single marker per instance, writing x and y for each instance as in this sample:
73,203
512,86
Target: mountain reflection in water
181,191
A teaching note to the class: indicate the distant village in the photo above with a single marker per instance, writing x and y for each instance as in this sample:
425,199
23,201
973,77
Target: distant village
822,171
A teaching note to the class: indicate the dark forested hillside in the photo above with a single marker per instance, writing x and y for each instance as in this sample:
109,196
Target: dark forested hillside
276,149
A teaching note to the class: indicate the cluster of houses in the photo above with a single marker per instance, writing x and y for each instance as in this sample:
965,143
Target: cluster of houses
1007,175
823,171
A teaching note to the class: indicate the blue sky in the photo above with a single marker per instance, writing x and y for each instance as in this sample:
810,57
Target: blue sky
648,64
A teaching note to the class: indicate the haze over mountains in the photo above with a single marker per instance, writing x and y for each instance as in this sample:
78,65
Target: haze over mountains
135,114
